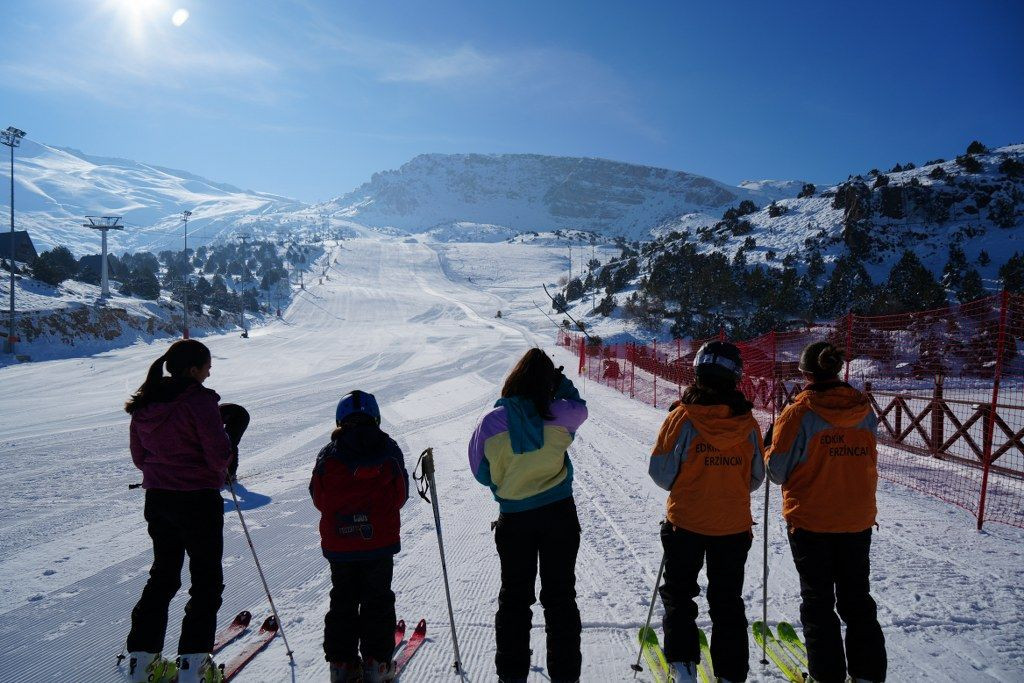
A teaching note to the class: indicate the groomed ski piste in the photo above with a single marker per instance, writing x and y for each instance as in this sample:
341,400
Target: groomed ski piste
414,324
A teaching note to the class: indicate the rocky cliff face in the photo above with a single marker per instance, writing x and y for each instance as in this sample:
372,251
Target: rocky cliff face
533,192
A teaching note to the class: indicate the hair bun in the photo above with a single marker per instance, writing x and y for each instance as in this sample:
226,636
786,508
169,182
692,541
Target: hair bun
830,359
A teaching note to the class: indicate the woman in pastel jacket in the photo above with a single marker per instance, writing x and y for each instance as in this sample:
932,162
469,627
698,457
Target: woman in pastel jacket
520,450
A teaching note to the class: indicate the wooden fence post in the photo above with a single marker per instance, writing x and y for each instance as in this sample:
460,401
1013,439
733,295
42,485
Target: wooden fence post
991,417
938,418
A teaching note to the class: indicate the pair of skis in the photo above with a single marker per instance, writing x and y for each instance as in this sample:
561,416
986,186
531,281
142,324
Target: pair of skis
419,634
270,627
786,651
659,666
233,632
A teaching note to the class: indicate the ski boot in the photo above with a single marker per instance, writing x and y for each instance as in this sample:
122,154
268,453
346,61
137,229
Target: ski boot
149,667
198,668
347,672
379,672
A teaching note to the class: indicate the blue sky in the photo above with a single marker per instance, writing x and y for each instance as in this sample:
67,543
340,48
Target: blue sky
308,98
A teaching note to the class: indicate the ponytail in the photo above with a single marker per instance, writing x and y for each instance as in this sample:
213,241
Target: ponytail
182,355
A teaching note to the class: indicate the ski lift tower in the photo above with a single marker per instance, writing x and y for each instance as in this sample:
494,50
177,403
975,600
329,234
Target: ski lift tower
104,224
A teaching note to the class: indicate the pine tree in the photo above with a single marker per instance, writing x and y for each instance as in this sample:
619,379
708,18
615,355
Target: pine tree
971,287
956,266
1012,273
910,287
55,266
849,288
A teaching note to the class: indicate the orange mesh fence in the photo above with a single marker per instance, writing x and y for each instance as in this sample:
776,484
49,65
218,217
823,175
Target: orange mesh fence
947,386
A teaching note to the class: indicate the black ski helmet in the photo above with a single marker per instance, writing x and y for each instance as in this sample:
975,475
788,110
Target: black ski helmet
718,359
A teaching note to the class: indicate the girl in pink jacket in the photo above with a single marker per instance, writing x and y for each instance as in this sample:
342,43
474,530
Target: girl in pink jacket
179,441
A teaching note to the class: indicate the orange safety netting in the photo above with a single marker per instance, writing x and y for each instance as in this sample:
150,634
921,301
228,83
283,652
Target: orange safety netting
947,386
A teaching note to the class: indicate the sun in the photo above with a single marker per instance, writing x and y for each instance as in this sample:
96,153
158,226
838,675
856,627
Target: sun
137,14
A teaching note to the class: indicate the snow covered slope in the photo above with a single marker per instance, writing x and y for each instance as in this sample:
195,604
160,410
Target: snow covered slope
536,192
55,188
405,322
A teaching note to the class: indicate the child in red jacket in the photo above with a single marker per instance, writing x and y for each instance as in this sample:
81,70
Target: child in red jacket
359,485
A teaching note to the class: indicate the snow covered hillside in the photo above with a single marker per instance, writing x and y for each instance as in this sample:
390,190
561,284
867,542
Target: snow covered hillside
55,188
414,323
535,192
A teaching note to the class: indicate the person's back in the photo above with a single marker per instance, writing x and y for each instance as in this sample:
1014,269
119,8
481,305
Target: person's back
520,450
359,485
822,451
178,440
825,456
709,457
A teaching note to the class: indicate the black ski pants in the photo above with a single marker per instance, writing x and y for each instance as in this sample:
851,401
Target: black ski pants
548,536
180,523
361,619
834,570
726,556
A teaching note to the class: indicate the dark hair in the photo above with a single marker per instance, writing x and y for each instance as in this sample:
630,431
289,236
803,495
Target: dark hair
182,356
714,390
533,377
823,360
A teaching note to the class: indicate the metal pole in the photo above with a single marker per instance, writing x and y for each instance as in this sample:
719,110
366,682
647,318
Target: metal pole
10,332
259,569
184,296
657,582
428,472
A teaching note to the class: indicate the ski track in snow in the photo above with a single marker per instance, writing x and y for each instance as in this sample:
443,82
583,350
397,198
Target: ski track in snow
403,321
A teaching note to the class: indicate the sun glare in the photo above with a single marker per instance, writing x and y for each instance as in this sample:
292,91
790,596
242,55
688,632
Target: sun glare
138,14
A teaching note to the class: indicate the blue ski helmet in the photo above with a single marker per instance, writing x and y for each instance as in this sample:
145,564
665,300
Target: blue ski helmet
357,402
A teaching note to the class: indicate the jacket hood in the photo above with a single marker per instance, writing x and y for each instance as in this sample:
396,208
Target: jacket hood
172,394
840,405
718,425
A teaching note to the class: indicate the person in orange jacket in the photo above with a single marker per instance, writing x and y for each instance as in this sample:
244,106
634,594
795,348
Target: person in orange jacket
822,450
709,457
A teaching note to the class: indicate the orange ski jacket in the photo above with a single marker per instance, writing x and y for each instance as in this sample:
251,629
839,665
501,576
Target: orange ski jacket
709,461
823,452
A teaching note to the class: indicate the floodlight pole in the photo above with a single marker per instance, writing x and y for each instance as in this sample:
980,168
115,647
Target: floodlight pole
188,265
103,224
12,138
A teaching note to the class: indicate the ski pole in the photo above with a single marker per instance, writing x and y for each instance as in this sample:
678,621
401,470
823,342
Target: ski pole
657,582
273,608
426,482
764,570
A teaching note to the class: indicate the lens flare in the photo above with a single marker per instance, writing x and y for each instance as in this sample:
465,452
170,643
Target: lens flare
179,17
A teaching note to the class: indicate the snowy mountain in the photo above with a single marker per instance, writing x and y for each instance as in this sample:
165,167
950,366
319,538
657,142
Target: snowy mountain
55,188
975,201
522,192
